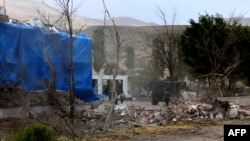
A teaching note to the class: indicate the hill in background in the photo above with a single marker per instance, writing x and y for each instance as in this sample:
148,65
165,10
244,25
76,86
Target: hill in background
135,33
138,37
24,10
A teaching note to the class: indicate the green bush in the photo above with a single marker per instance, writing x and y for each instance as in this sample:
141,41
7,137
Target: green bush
35,132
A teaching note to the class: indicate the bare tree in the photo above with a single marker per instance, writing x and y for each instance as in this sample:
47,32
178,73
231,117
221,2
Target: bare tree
168,50
118,43
67,9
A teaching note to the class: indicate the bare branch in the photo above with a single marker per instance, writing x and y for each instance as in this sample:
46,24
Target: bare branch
236,19
119,42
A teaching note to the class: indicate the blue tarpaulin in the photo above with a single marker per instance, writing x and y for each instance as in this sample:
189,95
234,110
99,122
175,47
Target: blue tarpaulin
27,54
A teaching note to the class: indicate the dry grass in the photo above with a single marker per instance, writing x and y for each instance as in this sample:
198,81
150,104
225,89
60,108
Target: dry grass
181,128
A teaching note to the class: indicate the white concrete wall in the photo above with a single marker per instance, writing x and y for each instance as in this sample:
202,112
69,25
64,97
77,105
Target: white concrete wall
100,79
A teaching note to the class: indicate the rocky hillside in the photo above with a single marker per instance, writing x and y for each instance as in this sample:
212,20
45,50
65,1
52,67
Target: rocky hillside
135,33
139,37
24,10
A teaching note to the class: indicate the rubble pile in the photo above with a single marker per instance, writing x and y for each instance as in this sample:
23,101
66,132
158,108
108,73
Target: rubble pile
186,110
178,110
138,115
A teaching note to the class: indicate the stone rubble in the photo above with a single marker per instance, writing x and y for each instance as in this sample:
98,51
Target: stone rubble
177,111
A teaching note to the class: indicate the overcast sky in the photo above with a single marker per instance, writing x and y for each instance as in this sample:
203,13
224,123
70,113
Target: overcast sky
147,10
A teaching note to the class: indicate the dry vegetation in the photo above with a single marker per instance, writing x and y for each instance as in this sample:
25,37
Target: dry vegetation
138,37
88,129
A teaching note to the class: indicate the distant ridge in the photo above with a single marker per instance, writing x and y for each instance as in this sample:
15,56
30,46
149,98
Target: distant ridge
24,10
127,21
243,21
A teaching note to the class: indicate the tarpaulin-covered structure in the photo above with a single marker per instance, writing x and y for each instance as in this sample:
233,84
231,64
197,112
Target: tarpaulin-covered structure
28,53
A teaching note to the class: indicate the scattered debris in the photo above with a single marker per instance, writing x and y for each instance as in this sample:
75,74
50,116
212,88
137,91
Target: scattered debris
38,23
127,115
233,112
32,22
188,95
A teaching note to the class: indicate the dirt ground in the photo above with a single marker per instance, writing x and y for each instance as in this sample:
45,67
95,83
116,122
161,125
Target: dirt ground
210,130
182,131
189,131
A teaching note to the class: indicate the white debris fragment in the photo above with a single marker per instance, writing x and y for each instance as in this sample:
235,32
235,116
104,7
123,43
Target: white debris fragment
158,116
219,116
174,119
188,95
120,106
233,111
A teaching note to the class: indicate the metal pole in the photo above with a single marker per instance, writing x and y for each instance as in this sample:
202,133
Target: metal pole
4,9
